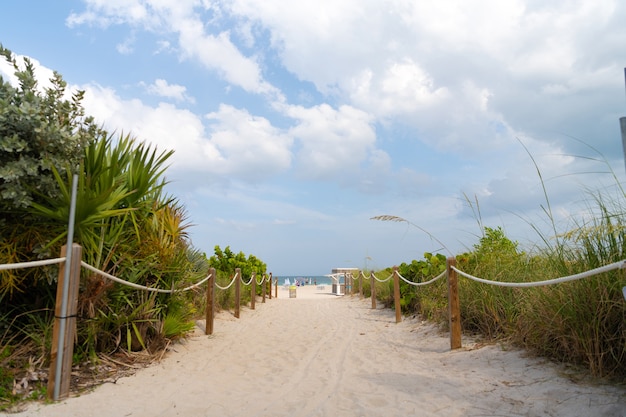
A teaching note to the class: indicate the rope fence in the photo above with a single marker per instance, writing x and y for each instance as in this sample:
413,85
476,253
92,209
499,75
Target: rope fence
453,296
421,284
138,286
587,274
451,272
249,281
32,264
61,357
232,281
382,280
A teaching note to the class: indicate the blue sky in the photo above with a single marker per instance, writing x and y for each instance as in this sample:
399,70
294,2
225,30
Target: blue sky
295,123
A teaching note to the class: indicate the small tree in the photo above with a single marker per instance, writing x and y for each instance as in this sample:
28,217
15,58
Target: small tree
225,262
39,129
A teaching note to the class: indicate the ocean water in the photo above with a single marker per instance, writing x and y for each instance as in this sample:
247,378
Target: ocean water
312,280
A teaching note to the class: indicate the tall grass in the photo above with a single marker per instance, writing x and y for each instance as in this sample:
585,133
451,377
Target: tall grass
584,321
579,322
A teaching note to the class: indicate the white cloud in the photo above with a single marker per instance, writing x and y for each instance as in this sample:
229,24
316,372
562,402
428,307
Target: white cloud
406,56
127,46
319,41
219,53
164,126
215,51
331,141
403,88
417,101
174,91
412,183
163,46
236,145
377,172
521,181
104,13
248,146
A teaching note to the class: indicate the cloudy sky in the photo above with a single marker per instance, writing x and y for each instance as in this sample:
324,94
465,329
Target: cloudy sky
294,123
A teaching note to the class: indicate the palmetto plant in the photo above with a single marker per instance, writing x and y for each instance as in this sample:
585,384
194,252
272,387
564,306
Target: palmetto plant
125,224
126,227
118,184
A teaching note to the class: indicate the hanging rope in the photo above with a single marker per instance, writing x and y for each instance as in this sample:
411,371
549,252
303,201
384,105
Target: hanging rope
196,284
418,284
596,271
249,281
229,285
137,286
382,280
32,264
121,281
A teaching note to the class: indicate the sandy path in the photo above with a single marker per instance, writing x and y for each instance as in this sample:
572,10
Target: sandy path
321,355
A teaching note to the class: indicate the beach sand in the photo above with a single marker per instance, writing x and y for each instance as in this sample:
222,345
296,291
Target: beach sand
324,355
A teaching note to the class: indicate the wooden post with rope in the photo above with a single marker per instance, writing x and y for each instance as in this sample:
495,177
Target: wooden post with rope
352,291
348,281
361,276
210,302
276,287
454,305
237,291
270,285
69,328
264,287
373,290
253,291
396,294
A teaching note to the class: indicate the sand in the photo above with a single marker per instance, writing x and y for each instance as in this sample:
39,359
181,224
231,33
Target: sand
324,355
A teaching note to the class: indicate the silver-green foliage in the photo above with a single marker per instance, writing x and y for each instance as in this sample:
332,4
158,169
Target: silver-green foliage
39,129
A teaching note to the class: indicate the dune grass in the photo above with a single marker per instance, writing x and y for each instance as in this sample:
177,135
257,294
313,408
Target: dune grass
580,323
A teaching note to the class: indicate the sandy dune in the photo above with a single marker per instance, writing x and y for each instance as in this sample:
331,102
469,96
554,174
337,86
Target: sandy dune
323,355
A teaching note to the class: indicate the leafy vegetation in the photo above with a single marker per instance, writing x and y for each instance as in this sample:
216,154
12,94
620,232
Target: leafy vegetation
125,223
580,322
225,263
129,227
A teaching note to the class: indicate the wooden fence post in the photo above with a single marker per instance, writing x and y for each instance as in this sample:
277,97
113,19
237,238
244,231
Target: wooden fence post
253,291
237,291
69,331
352,291
454,306
264,287
276,287
210,302
373,290
396,294
270,285
361,276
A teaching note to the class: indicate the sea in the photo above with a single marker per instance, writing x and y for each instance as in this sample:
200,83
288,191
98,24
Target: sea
305,279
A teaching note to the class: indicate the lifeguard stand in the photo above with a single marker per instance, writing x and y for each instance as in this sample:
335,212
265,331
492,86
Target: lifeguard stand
345,273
